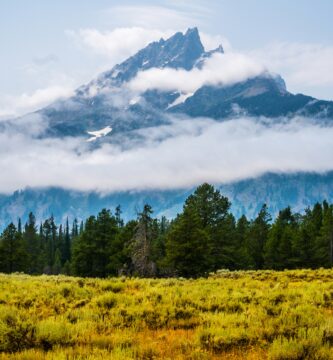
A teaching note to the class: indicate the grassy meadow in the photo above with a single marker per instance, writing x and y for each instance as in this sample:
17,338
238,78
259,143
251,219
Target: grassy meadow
231,315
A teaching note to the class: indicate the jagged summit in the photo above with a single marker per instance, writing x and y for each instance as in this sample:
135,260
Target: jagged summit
181,50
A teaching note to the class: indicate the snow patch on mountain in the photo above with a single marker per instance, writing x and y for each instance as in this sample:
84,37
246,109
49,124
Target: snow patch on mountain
135,100
180,99
99,133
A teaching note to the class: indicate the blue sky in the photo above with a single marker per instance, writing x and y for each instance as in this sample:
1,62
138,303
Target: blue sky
50,47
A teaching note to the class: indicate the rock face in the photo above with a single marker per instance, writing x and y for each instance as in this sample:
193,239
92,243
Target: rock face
105,103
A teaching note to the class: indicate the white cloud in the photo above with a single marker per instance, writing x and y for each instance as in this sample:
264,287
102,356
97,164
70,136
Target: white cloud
217,70
120,43
304,66
11,106
183,154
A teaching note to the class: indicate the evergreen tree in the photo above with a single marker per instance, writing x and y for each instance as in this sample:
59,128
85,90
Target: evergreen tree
94,250
12,251
66,254
187,245
324,241
125,237
48,244
158,249
309,231
19,226
75,229
278,249
83,247
141,244
32,241
216,221
57,262
257,238
242,257
120,221
81,227
106,233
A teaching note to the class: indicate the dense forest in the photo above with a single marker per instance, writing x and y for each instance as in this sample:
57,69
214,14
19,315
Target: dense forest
203,238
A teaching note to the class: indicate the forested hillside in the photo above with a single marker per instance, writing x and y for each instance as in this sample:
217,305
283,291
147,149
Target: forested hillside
203,238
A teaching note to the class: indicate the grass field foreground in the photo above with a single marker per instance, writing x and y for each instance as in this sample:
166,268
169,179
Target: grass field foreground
231,315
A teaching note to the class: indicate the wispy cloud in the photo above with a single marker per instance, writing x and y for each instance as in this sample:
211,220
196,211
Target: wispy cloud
176,15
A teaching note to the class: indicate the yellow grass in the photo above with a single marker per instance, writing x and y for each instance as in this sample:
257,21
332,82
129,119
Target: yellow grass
231,315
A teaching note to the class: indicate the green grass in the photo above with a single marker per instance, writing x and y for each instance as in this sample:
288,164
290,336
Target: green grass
230,315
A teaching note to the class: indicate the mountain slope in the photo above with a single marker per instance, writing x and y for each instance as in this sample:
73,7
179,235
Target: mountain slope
260,96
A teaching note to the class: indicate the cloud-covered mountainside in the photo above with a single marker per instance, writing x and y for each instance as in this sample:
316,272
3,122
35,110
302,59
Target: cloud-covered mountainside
170,117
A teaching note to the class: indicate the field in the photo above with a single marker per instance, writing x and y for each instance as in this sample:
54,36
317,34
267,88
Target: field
231,315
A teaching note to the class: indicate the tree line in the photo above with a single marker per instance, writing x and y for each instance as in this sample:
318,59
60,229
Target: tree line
203,238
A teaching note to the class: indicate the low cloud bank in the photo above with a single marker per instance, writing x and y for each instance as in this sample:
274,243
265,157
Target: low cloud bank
183,154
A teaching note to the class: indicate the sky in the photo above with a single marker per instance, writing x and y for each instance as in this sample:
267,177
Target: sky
48,48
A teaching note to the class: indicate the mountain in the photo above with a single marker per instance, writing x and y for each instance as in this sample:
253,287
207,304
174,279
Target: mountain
107,101
107,110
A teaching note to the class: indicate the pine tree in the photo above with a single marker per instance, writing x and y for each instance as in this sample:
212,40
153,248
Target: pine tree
141,244
187,245
67,244
19,226
83,250
213,210
257,238
106,235
95,250
242,257
310,228
81,227
324,241
33,245
57,263
120,221
278,251
75,229
12,250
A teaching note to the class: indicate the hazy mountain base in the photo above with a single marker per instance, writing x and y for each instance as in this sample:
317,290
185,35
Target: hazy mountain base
247,196
230,315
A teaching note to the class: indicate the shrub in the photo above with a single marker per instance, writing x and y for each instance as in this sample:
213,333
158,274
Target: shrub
52,332
107,301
